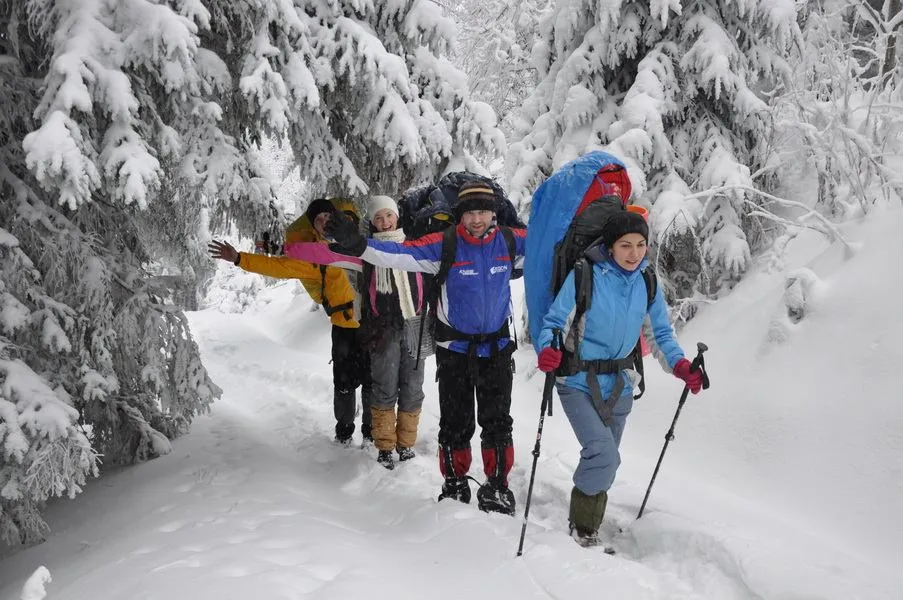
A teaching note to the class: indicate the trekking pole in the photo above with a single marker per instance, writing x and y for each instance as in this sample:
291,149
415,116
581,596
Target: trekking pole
546,404
698,363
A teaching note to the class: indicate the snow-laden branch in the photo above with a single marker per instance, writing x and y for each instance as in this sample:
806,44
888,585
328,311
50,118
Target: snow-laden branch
823,226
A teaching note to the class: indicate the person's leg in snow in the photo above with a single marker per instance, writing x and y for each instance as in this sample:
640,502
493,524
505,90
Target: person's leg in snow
384,373
347,363
493,390
457,423
599,459
363,356
410,400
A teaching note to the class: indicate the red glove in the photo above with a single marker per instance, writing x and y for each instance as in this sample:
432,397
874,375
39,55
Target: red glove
693,379
549,359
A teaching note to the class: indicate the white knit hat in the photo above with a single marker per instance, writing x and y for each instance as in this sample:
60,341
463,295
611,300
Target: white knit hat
377,203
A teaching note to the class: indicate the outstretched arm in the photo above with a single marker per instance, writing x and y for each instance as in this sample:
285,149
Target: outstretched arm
320,254
423,254
280,267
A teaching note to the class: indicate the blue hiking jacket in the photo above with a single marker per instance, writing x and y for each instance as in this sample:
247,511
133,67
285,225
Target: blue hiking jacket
476,295
613,321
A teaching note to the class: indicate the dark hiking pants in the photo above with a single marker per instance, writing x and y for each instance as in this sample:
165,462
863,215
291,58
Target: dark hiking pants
350,369
490,381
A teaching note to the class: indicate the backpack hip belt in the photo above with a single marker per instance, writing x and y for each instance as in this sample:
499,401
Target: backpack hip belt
331,310
604,366
446,333
593,369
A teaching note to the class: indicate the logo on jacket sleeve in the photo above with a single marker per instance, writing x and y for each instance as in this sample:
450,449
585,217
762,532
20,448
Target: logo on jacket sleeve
498,269
469,272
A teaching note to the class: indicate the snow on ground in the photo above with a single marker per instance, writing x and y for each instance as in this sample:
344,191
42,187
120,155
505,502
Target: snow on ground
783,482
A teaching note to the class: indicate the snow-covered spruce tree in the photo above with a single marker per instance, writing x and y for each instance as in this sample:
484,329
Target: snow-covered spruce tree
493,49
117,143
674,89
362,90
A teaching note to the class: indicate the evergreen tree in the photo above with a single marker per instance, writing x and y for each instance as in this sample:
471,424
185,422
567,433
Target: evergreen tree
94,357
675,89
364,92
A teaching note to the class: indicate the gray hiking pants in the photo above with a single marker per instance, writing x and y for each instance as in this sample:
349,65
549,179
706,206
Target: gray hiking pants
396,375
599,456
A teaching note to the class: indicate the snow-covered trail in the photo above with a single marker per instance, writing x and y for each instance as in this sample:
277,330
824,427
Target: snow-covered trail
258,502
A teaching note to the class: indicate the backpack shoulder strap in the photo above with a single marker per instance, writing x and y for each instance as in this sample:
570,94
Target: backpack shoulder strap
583,286
512,244
449,246
651,280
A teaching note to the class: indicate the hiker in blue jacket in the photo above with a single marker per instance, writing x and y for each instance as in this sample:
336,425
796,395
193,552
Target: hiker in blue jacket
474,344
599,396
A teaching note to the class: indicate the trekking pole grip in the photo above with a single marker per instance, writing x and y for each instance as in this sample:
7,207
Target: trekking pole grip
699,363
557,344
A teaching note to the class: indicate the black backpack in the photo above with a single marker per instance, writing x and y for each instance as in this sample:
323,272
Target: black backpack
431,208
577,251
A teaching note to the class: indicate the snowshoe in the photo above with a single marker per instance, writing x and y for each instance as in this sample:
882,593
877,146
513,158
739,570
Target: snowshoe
405,454
386,459
456,488
493,497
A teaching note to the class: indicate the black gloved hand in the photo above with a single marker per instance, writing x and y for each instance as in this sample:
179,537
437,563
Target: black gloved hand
348,238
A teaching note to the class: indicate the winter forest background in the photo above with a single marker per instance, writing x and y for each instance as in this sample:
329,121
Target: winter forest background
132,132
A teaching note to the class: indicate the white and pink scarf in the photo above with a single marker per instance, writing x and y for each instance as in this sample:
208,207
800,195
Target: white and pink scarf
384,277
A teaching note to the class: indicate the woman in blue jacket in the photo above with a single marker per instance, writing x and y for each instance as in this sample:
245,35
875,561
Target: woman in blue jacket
608,331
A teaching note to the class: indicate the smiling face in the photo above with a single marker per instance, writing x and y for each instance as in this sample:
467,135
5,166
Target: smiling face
385,220
477,222
629,250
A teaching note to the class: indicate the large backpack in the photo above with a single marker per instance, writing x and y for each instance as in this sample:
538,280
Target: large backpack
431,208
567,215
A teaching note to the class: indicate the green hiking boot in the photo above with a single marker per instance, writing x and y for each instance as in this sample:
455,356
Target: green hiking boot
586,515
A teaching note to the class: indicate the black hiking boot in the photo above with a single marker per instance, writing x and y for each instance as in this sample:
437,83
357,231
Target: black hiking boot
494,496
405,453
386,459
456,488
343,432
366,435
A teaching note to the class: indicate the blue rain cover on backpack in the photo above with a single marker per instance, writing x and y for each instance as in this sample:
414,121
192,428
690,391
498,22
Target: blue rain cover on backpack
554,205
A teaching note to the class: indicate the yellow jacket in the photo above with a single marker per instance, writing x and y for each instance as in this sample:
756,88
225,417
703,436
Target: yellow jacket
328,286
